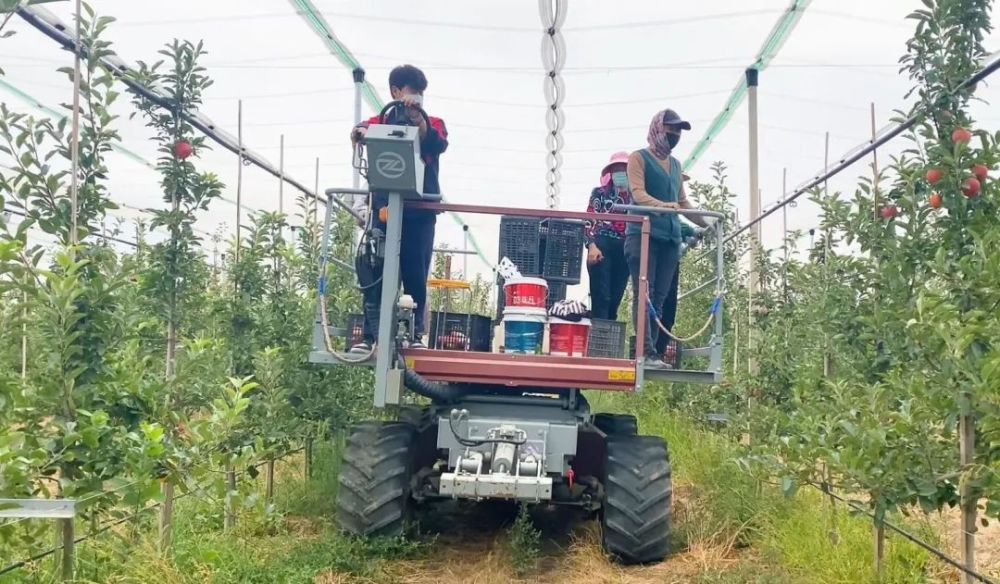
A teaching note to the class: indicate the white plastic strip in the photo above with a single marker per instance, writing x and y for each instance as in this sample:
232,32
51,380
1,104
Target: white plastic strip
553,15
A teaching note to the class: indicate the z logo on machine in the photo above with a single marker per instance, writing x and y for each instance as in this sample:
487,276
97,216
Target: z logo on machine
390,165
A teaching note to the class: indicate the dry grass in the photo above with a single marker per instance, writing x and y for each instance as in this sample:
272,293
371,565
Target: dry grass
471,547
948,523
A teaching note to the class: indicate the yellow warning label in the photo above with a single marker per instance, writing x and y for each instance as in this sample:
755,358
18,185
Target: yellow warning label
410,362
621,375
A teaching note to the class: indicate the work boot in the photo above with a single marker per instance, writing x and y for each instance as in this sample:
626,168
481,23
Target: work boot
362,348
654,362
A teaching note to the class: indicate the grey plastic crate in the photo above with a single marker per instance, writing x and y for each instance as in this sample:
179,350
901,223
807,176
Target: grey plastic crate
607,339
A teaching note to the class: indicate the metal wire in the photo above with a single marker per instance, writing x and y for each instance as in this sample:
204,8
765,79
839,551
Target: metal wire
864,149
42,555
906,535
52,28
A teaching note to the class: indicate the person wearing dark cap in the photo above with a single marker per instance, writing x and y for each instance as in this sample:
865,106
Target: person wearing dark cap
655,181
606,240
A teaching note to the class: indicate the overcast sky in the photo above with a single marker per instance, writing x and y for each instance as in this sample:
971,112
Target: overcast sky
626,60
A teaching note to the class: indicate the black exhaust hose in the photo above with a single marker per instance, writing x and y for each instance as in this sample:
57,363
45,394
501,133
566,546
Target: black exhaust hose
439,393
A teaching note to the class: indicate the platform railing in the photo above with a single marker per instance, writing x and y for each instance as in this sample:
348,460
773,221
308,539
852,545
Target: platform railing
388,378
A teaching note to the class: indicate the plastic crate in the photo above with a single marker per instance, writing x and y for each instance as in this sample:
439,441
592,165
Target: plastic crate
562,259
557,292
520,241
607,338
451,331
355,331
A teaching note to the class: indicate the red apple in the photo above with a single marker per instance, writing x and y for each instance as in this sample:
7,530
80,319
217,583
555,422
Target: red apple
971,187
183,149
961,136
981,172
934,175
935,201
889,211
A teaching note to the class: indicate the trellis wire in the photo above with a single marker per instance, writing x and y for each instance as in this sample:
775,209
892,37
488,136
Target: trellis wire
907,535
51,551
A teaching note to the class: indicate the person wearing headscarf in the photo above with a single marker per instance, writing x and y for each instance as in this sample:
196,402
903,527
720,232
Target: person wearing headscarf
606,240
655,180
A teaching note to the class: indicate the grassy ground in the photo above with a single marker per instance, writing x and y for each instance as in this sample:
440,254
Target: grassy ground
801,537
728,530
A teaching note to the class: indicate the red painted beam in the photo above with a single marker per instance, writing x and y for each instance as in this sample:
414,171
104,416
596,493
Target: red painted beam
523,371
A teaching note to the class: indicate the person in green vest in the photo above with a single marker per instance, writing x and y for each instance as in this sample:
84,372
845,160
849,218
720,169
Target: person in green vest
655,181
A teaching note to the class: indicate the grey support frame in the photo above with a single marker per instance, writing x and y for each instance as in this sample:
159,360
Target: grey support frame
388,379
714,349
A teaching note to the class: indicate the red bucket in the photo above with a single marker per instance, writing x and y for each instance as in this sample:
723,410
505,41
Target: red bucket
567,338
525,293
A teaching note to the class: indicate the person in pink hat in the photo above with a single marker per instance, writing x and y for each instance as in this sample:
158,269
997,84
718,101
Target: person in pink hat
606,240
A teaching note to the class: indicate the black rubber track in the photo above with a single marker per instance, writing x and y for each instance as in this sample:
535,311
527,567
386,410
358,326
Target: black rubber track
617,424
636,514
374,495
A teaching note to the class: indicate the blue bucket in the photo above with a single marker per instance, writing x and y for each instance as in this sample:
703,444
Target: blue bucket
524,330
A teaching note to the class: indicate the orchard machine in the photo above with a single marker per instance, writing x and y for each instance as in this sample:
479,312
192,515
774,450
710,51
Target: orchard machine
495,425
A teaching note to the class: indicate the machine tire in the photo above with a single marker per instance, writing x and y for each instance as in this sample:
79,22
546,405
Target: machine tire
635,518
374,494
417,416
617,424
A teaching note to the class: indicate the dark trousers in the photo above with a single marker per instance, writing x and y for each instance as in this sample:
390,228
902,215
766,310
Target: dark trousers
661,267
608,278
415,254
668,313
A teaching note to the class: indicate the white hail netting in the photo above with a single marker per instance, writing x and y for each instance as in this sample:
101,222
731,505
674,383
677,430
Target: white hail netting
483,66
553,13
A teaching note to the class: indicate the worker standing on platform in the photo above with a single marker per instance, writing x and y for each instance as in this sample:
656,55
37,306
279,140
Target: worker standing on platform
666,346
407,84
606,240
655,181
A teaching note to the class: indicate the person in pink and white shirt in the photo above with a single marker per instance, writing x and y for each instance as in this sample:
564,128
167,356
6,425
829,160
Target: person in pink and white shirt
606,240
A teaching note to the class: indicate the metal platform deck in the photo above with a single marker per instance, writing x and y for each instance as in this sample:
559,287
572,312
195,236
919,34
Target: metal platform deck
533,371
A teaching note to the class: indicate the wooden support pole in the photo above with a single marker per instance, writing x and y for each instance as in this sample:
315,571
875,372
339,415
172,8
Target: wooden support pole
316,190
875,192
309,458
239,177
68,543
269,481
879,533
736,346
784,231
828,489
752,81
281,176
166,517
74,186
24,333
167,509
967,452
230,519
827,355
